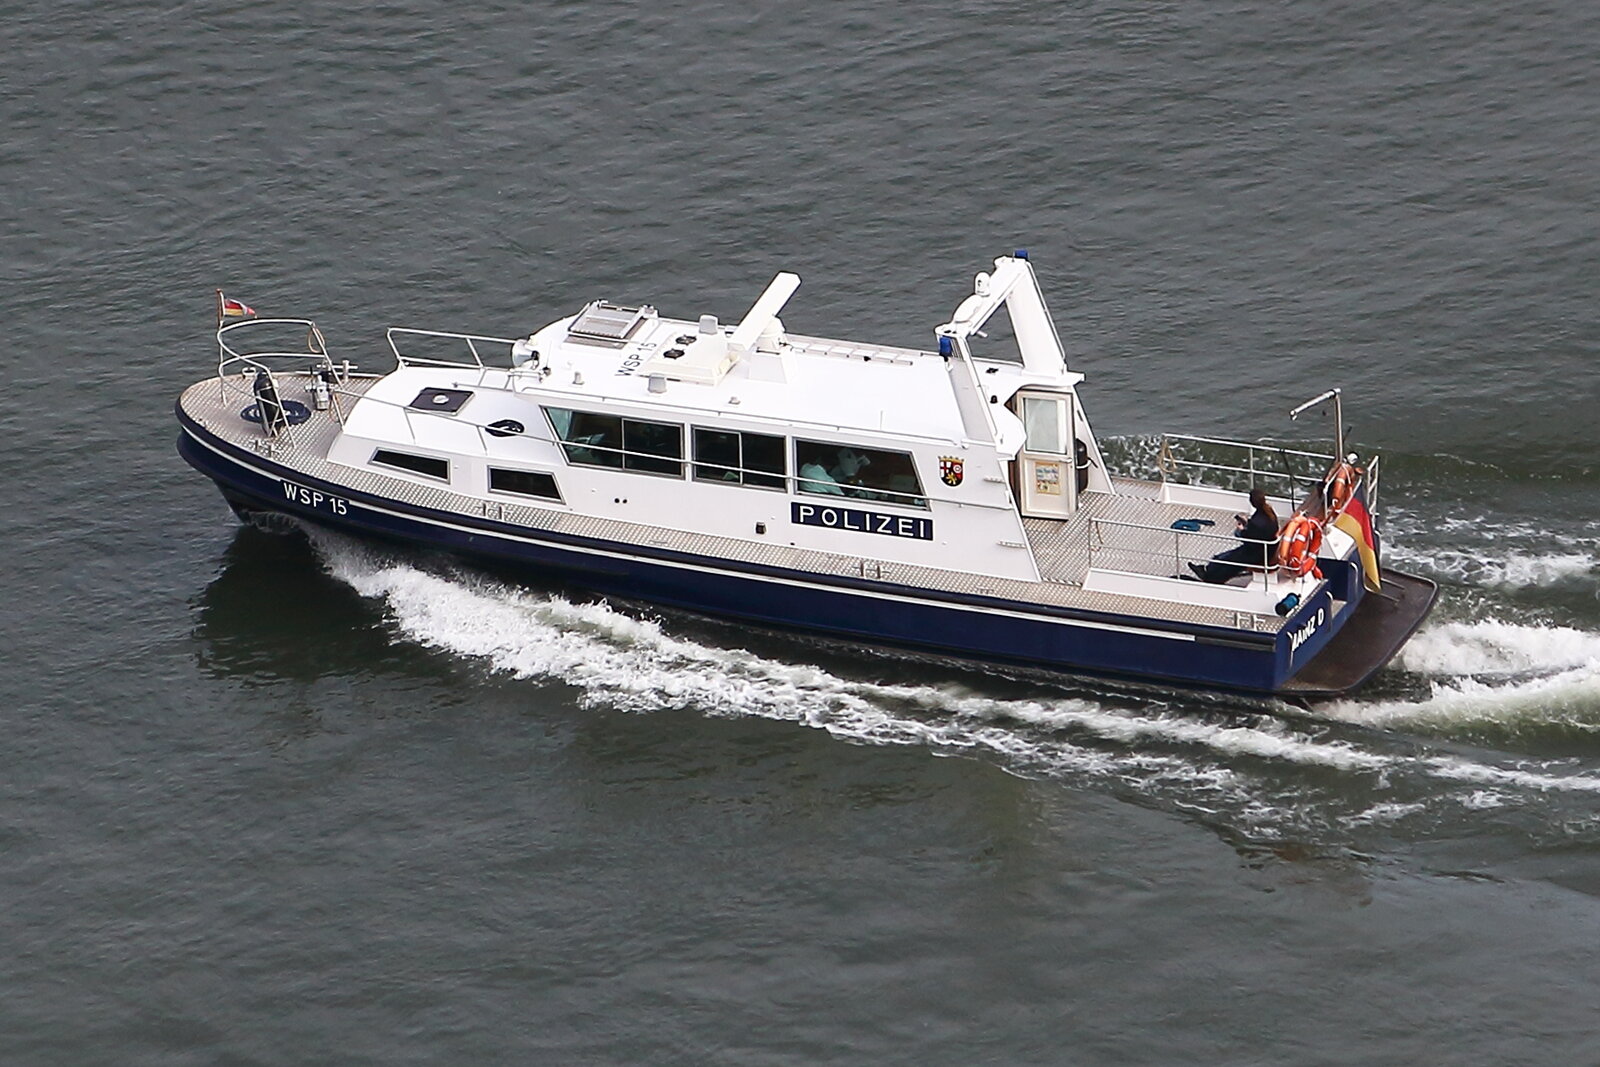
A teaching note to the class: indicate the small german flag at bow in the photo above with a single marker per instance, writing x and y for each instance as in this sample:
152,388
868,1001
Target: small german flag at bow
228,308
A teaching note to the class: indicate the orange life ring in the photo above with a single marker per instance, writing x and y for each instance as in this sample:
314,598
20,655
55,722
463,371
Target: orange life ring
1298,545
1338,486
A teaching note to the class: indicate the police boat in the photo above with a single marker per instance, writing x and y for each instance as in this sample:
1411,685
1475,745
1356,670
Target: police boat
952,501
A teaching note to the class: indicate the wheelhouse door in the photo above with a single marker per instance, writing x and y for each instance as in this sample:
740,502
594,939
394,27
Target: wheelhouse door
1049,489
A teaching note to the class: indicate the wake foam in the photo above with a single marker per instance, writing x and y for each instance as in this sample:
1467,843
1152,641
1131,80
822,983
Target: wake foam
1512,570
1228,763
1479,550
1494,672
616,660
1467,648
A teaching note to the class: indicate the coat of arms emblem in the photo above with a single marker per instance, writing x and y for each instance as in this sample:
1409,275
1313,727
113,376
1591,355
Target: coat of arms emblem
950,469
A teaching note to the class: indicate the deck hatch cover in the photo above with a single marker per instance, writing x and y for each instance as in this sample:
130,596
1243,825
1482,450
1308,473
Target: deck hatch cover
448,401
607,323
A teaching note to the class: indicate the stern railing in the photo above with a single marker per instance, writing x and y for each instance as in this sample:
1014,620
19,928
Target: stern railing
1187,459
1180,546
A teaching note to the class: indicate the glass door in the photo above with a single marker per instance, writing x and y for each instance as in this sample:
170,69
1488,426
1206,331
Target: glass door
1049,489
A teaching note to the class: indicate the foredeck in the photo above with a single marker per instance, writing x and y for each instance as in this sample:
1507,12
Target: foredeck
1064,550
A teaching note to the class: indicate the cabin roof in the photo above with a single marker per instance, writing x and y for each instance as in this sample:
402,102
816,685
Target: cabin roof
799,382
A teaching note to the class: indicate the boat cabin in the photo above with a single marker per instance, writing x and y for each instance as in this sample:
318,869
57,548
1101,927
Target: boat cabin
748,431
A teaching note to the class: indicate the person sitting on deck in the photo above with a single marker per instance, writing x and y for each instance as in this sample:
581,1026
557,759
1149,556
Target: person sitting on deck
1262,526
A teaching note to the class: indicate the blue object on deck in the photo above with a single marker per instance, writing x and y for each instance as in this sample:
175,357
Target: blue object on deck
294,412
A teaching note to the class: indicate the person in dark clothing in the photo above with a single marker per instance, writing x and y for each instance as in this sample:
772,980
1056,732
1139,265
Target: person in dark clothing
1261,526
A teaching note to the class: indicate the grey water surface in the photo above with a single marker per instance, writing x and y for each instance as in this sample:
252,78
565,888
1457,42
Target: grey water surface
294,799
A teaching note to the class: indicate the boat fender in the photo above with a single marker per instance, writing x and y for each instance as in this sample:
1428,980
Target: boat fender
267,402
1298,545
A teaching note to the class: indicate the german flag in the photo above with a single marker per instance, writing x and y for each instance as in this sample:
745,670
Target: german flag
1356,521
228,308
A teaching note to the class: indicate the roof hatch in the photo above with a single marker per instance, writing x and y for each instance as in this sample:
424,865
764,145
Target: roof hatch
605,323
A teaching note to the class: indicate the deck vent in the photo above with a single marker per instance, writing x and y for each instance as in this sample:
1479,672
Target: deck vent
444,401
605,323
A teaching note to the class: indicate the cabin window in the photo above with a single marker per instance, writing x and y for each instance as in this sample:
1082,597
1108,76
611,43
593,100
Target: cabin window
656,447
432,466
523,483
588,439
1041,419
739,458
594,440
857,473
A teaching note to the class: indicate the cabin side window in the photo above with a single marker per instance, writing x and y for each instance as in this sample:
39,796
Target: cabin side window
739,458
432,466
656,447
591,439
850,471
523,483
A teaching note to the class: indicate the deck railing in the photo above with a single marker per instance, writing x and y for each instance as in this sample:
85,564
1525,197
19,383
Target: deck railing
240,365
1211,460
1158,546
471,341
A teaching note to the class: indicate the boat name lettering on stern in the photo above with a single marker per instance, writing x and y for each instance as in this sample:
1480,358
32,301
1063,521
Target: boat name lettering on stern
312,498
1302,635
859,521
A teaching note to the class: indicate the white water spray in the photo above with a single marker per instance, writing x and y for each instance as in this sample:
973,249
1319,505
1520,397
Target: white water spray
616,660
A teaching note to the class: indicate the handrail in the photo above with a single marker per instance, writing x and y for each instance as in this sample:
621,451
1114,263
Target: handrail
1258,445
1169,463
471,340
1097,540
227,354
239,368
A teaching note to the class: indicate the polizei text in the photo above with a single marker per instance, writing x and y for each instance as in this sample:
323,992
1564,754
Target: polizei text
859,521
